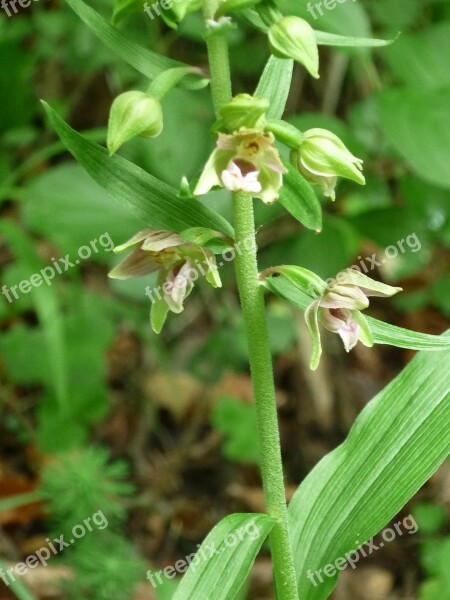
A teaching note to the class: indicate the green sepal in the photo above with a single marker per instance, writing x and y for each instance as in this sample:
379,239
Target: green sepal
312,323
365,334
244,111
158,314
210,239
354,277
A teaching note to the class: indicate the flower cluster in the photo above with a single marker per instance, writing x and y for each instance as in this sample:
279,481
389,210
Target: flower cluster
246,159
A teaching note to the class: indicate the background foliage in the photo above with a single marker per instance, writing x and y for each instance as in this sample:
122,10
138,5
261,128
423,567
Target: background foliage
80,368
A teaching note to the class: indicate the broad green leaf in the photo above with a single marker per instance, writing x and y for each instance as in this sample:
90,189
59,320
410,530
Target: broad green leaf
65,206
223,562
332,39
91,331
145,61
396,444
383,333
299,198
48,311
426,146
154,202
416,58
275,84
173,155
396,15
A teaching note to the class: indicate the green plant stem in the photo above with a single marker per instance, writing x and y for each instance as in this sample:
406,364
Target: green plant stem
253,308
219,64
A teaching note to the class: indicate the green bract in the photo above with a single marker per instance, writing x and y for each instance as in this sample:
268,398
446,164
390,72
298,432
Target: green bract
293,37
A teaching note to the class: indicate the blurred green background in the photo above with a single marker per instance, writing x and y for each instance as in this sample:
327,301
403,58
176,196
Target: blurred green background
97,412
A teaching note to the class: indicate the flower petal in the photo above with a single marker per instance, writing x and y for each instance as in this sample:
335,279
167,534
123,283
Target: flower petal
217,162
178,286
235,181
137,264
344,296
369,286
271,183
134,242
349,334
158,240
158,314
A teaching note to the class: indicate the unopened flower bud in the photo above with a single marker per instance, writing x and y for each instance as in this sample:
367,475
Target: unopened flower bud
245,111
293,37
133,114
322,157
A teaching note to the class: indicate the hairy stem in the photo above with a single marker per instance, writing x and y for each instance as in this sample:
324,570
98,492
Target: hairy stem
219,64
253,308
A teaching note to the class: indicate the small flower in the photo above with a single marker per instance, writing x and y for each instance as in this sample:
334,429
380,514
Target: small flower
246,161
133,114
179,264
339,311
322,157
